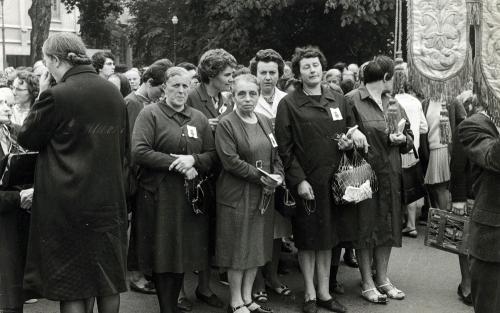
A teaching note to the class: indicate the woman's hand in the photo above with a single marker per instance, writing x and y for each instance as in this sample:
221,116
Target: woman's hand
397,139
44,81
191,174
271,183
305,190
358,138
182,164
345,143
26,198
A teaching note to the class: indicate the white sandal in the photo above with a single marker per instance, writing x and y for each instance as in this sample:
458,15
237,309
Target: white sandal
392,292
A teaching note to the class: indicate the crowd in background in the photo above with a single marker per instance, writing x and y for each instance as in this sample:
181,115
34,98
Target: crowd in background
205,159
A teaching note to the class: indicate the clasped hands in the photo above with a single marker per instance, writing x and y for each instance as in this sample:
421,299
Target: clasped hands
397,139
184,164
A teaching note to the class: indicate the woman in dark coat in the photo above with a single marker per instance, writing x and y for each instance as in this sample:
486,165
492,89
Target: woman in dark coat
78,235
245,215
308,122
174,148
14,224
379,219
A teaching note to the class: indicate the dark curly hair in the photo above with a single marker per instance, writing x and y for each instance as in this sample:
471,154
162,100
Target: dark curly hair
99,58
31,81
213,62
267,55
305,53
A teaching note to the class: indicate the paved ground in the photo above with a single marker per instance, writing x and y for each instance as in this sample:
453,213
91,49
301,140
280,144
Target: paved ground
428,276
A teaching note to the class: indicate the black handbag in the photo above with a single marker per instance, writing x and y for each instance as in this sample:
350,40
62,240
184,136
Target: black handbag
284,202
18,166
413,182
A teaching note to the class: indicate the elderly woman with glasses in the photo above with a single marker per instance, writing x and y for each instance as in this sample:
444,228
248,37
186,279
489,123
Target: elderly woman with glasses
25,88
245,217
173,146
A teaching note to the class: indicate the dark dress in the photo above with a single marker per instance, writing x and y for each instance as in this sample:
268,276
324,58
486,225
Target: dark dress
305,130
78,234
244,237
180,237
14,227
379,219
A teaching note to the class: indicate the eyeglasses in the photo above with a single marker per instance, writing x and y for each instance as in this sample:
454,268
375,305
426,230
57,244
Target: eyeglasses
109,63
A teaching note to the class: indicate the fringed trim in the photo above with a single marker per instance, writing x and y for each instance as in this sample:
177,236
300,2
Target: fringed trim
437,89
474,12
488,98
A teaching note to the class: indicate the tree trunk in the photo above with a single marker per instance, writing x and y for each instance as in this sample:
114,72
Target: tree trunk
40,13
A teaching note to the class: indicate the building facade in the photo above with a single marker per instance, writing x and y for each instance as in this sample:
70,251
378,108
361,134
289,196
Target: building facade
18,29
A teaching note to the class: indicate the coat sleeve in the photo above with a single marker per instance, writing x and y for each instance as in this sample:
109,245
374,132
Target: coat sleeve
480,144
40,124
205,160
458,171
293,171
143,138
226,145
9,201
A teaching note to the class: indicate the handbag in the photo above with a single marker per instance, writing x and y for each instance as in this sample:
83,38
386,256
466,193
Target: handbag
284,202
413,182
354,180
18,166
199,194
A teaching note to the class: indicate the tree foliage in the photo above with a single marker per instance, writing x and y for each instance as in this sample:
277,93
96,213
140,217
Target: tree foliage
97,19
347,30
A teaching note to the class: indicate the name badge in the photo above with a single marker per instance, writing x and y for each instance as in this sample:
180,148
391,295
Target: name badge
336,115
273,141
223,108
192,133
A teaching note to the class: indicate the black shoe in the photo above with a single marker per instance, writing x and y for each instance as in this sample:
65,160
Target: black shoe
310,307
332,305
184,304
212,300
351,262
465,299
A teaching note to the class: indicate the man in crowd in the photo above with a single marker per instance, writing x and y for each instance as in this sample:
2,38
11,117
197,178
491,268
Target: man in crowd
104,63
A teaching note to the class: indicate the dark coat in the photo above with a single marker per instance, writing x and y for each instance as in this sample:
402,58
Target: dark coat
78,235
380,218
200,100
306,131
481,141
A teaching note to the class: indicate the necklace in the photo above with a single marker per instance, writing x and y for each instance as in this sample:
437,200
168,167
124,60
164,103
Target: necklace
269,99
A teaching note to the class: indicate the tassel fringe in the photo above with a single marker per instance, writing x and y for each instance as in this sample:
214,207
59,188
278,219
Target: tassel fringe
474,12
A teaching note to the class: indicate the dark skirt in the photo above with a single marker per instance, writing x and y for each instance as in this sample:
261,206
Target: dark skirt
181,237
317,230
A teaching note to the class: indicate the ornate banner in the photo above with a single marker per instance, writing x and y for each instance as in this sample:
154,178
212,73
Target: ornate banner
439,57
489,70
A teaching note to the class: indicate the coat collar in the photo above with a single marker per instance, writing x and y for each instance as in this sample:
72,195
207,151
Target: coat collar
78,69
326,96
207,101
171,112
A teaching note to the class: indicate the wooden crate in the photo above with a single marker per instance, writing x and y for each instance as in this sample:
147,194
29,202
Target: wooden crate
447,231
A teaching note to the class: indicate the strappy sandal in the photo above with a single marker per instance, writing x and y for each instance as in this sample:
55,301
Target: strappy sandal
391,291
282,290
376,297
260,296
239,309
255,307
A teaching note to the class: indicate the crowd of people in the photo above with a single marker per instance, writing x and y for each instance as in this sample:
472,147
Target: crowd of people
178,168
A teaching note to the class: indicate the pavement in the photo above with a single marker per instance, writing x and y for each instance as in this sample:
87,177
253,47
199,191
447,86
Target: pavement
428,276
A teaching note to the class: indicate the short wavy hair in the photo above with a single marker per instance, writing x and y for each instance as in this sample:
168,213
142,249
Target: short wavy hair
267,55
378,68
213,62
32,83
99,58
247,78
305,53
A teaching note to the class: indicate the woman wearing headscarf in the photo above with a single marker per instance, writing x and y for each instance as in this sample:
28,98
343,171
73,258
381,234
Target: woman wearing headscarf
173,146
